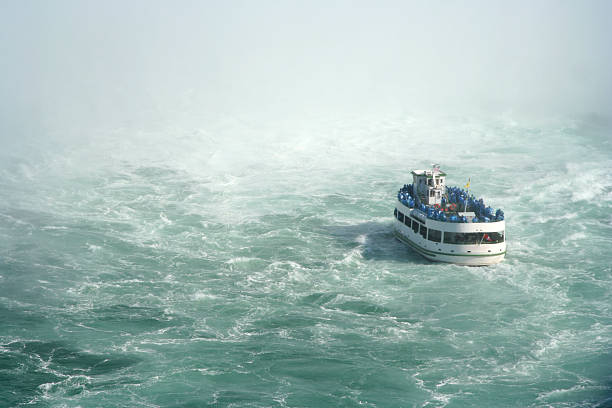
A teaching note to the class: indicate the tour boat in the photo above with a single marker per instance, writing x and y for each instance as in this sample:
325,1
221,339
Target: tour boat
447,224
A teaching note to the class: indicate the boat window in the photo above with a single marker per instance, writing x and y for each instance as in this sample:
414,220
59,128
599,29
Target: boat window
400,216
424,231
434,235
415,226
395,212
407,222
473,238
493,237
462,238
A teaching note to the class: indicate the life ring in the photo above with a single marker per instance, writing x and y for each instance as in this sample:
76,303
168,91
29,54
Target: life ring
452,206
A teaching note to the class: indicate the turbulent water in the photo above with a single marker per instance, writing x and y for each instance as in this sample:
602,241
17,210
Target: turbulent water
252,263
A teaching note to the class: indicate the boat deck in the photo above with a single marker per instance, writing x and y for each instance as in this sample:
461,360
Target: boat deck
457,206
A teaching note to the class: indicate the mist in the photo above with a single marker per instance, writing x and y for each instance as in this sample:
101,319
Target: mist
70,65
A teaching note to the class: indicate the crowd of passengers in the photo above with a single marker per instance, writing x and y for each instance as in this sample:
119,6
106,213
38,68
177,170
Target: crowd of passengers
461,202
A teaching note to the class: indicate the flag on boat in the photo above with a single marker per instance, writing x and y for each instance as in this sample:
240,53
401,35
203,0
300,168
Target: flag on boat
468,183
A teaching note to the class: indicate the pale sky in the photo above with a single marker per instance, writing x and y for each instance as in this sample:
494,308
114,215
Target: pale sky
127,63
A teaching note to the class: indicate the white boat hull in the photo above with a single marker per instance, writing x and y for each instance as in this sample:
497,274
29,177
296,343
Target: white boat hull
473,254
460,259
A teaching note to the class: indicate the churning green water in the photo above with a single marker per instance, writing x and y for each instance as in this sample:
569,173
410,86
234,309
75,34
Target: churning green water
253,265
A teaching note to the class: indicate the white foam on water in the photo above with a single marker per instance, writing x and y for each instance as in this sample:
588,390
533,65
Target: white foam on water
558,395
53,228
92,247
242,259
229,227
203,295
571,239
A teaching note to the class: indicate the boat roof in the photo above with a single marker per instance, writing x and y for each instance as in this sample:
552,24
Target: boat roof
428,173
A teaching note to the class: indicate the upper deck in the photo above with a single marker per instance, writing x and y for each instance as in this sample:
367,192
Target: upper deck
437,202
449,226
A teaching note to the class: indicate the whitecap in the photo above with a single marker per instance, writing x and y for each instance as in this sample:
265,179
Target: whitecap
93,248
201,295
572,238
53,228
165,219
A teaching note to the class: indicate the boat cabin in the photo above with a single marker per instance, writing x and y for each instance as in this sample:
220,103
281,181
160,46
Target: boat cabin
429,185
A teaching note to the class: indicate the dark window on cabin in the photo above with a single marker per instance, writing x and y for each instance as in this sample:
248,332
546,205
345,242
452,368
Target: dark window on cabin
423,231
492,237
473,238
407,221
451,238
400,216
461,238
415,226
434,235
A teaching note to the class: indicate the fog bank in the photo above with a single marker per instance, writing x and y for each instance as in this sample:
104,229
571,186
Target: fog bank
144,64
